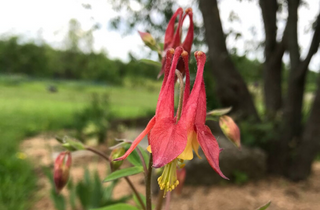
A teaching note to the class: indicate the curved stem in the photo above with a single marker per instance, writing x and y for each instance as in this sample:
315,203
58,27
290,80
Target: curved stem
135,192
148,185
126,178
142,161
97,152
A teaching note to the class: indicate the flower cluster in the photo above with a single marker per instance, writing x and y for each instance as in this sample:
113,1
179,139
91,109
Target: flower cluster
173,137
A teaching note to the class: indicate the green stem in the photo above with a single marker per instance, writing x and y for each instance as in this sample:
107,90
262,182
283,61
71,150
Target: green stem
135,192
179,75
148,185
126,178
143,162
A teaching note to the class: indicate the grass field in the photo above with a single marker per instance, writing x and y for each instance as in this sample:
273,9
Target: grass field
28,108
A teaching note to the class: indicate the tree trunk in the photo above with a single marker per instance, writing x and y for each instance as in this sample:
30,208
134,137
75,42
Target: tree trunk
231,88
273,59
310,145
279,159
287,153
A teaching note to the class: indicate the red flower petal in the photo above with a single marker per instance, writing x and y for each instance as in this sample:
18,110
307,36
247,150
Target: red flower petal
168,39
209,146
165,105
187,44
138,139
167,140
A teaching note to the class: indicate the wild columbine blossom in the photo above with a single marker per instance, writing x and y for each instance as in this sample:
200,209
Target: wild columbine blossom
173,140
62,170
172,37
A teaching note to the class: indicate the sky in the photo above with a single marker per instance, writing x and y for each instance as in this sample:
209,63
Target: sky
48,21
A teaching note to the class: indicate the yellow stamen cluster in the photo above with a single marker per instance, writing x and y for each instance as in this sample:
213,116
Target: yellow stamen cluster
168,180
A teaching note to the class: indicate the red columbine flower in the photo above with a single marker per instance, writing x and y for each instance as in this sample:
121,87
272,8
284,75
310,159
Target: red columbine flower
194,117
62,170
192,122
172,37
164,110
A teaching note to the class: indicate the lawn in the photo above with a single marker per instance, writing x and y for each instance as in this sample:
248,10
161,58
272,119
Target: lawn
28,108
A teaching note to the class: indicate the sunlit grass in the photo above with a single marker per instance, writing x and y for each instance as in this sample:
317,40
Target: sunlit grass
28,108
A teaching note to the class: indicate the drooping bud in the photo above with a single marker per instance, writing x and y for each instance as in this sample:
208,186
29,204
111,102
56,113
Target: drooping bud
148,40
116,153
181,176
62,170
230,129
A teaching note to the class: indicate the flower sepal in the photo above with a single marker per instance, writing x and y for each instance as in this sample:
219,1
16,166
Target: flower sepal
230,130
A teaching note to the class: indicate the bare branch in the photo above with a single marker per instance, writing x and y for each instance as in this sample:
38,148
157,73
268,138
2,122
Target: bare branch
314,46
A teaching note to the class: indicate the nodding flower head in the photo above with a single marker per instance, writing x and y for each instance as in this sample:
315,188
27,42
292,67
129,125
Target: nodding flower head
172,37
62,170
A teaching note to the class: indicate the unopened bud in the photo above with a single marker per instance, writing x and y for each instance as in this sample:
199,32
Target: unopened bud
148,40
116,153
230,129
62,170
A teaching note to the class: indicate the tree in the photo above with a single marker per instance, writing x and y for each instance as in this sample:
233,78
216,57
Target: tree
295,143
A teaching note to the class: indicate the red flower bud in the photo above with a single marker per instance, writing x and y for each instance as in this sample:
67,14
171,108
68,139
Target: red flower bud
62,170
148,40
230,129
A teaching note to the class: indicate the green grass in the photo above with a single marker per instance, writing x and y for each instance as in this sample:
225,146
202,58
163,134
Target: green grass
27,108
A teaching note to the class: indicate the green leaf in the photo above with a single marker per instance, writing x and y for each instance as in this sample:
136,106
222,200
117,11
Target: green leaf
134,157
264,207
118,207
123,172
219,112
135,199
151,62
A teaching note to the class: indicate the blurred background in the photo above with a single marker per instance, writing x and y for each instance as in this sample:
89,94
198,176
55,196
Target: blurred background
74,68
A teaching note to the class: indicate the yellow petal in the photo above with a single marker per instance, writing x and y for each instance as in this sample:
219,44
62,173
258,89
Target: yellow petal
149,148
187,154
195,145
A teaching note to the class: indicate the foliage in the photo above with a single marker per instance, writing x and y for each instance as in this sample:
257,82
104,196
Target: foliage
257,134
240,177
42,61
144,15
93,121
123,172
28,109
17,178
89,193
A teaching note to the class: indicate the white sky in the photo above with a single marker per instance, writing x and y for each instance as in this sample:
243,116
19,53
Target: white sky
48,20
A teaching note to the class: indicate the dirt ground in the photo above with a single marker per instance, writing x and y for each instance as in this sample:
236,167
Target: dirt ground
283,194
